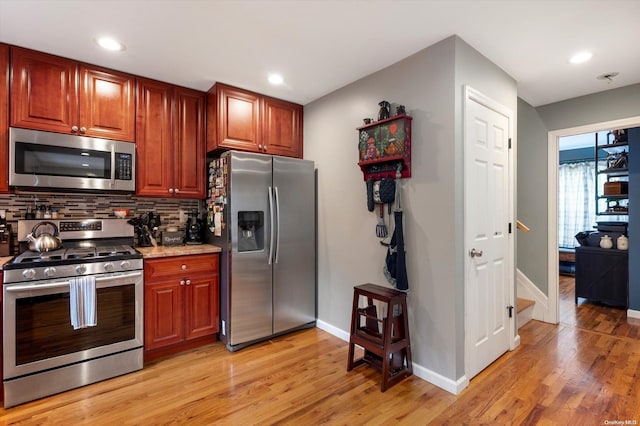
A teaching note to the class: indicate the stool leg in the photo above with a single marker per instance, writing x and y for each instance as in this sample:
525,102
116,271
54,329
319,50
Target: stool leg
354,326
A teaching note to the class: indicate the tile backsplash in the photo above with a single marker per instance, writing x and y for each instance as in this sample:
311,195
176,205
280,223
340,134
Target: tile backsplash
81,205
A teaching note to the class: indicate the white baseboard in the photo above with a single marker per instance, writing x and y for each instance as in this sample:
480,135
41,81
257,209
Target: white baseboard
633,314
525,288
451,386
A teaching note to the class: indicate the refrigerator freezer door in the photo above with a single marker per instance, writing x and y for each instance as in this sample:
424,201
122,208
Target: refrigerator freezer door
249,279
294,268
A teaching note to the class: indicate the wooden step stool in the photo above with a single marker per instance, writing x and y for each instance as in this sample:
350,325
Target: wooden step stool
385,341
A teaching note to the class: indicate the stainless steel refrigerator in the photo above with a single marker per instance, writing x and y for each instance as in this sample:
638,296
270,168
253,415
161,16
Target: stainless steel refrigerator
262,212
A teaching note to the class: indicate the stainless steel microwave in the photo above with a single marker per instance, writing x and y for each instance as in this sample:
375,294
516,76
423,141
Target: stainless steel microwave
54,161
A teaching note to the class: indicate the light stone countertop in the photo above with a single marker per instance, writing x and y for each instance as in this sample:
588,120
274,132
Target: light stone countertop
4,260
185,250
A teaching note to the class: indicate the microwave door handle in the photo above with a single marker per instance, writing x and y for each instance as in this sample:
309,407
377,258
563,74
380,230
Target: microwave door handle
113,165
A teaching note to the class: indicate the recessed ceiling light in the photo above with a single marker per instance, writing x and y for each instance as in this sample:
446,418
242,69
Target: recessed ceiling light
581,57
110,44
276,79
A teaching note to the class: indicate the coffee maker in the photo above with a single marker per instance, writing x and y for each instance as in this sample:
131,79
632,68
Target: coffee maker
5,235
195,228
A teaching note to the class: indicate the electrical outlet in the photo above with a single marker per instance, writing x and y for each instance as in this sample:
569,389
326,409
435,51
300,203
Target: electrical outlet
183,216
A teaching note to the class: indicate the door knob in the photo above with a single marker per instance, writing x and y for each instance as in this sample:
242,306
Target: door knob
475,253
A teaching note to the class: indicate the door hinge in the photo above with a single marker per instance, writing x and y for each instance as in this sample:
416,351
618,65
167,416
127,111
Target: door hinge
509,227
509,143
510,309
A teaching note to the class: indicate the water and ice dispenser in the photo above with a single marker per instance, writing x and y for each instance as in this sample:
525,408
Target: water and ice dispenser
250,230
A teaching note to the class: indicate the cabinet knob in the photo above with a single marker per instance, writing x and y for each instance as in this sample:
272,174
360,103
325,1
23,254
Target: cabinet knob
177,190
170,190
188,282
264,148
181,282
83,130
260,147
183,267
74,128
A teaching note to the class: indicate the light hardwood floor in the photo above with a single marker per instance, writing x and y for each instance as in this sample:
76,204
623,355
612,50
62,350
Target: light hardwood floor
584,371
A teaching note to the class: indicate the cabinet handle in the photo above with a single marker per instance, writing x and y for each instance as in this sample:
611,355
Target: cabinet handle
265,148
181,282
183,267
83,130
260,147
188,282
74,128
177,190
170,190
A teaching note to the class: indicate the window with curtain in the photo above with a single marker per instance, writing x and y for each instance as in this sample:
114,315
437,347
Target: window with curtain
577,201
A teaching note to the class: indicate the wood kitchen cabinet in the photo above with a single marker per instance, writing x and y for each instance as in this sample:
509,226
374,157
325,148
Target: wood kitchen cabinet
170,140
4,118
60,95
247,121
181,303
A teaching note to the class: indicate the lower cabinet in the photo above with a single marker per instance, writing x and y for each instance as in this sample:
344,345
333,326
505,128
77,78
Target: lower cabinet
181,303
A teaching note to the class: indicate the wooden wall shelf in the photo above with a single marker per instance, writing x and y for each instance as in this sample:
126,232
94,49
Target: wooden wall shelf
383,146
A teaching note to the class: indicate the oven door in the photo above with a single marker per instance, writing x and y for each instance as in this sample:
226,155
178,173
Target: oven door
38,334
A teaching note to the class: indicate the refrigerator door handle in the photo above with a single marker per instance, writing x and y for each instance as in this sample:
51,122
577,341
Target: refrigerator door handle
271,219
277,197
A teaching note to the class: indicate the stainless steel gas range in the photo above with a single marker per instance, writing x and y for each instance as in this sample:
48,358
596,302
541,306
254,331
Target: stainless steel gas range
45,352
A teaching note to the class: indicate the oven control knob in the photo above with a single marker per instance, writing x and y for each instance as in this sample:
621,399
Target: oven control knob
81,269
108,266
29,274
125,264
49,272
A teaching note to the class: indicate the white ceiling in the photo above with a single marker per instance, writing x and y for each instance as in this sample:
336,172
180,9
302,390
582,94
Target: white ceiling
322,45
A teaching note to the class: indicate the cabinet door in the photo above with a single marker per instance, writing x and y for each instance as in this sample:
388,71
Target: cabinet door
44,91
4,118
189,143
163,313
107,108
238,119
154,139
282,127
201,306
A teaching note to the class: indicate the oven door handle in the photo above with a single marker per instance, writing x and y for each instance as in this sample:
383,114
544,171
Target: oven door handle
14,288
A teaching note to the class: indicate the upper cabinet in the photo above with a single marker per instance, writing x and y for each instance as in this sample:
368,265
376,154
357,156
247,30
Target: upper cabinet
60,95
247,121
4,118
170,140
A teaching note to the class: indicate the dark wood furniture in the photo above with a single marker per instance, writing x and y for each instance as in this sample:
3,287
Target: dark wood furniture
602,275
181,303
4,118
385,338
247,121
170,135
60,95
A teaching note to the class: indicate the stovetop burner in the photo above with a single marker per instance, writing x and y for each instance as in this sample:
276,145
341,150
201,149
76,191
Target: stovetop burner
73,254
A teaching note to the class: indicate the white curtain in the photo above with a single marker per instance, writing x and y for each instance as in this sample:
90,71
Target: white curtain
576,201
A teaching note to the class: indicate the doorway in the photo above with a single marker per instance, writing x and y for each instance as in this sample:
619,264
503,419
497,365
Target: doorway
553,159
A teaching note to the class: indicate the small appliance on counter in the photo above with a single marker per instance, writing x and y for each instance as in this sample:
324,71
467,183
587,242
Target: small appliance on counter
146,227
195,228
5,235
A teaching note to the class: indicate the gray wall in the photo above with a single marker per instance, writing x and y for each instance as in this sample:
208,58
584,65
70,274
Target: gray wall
531,249
429,84
533,125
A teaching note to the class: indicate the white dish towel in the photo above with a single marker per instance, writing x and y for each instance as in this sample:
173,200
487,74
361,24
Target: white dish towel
82,302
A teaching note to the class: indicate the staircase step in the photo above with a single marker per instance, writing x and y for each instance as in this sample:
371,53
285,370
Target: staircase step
524,308
522,304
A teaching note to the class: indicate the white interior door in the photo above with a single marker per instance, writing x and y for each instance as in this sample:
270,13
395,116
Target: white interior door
487,213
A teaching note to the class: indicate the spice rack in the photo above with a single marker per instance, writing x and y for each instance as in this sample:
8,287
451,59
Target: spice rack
383,146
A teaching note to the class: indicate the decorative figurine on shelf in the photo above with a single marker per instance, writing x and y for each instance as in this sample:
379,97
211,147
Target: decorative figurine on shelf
400,110
367,120
384,110
372,151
